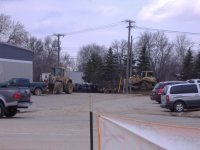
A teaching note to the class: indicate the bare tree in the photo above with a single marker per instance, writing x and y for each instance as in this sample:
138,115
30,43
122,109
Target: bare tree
12,32
36,45
120,50
85,54
159,51
44,55
68,63
17,35
160,55
50,55
182,45
145,41
5,25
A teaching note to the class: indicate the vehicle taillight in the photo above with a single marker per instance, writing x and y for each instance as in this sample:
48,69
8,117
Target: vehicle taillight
167,98
160,91
17,96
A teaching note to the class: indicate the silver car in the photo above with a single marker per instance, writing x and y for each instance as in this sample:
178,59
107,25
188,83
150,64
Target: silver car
181,96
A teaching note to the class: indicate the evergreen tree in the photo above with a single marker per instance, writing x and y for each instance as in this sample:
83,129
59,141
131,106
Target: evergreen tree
187,70
111,70
93,69
88,71
143,60
196,70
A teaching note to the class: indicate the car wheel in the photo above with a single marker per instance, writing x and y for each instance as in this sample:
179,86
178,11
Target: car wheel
38,92
159,102
2,110
69,88
10,112
179,107
58,88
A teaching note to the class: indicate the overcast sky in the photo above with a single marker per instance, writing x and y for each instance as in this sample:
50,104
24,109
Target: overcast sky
46,17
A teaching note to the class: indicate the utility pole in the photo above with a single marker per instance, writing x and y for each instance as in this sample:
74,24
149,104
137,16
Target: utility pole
131,61
58,36
128,53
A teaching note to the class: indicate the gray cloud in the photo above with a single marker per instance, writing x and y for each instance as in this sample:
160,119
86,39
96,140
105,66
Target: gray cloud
180,10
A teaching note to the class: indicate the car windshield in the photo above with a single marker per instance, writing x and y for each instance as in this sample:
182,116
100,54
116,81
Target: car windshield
159,85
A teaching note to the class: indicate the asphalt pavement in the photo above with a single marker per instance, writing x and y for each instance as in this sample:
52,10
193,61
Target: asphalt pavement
61,122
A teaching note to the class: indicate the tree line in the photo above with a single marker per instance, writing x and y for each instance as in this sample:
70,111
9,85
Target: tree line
168,59
152,51
45,51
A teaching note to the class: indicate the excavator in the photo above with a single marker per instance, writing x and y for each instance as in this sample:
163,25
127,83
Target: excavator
58,82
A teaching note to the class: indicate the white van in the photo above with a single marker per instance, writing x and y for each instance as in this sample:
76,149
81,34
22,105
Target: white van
181,96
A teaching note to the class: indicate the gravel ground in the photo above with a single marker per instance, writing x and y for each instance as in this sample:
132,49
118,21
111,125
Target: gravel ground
60,122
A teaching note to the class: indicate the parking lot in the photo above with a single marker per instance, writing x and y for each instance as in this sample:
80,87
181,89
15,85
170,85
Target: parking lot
60,122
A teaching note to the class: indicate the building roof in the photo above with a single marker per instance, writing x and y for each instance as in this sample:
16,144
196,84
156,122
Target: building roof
8,51
11,45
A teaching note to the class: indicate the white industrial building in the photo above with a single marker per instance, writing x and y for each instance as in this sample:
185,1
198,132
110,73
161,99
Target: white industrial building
77,77
15,62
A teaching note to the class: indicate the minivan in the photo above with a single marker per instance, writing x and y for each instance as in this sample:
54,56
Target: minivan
181,96
158,89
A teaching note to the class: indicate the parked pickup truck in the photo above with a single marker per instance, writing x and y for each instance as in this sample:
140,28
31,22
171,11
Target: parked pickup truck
12,98
36,88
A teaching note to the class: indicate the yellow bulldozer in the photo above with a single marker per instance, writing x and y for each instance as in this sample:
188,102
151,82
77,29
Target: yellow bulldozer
58,82
145,81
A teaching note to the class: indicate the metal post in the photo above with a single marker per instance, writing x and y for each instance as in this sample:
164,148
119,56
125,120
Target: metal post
58,36
91,123
131,62
128,54
58,51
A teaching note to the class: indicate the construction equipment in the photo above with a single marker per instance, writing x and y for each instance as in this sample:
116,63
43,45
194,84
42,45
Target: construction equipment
145,81
58,82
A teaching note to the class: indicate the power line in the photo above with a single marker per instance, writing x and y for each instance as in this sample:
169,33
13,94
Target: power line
82,31
164,30
94,28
